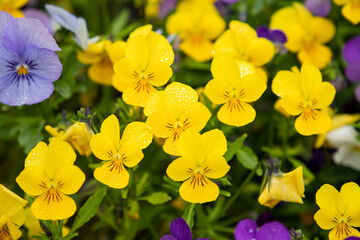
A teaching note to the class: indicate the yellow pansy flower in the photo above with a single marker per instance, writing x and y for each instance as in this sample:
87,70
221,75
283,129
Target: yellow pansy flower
197,23
287,187
12,214
146,64
49,176
304,93
13,7
234,85
242,43
116,152
78,135
101,56
173,111
201,159
339,211
306,34
350,10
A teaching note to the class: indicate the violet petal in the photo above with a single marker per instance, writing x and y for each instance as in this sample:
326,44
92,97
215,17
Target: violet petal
357,93
352,71
278,36
180,230
246,230
168,237
263,32
273,230
319,7
351,50
39,15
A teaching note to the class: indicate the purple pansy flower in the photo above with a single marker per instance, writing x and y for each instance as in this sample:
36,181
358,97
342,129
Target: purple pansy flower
28,63
39,15
276,36
351,54
319,7
247,229
180,231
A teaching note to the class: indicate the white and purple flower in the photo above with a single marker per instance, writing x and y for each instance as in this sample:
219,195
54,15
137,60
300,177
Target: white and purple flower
351,54
28,62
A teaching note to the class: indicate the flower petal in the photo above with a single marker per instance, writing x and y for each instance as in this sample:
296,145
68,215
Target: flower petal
260,51
37,155
156,102
236,113
225,69
327,197
273,230
160,49
322,29
137,52
199,189
180,229
246,230
312,121
310,77
11,204
102,72
103,146
351,12
316,54
352,71
215,166
127,71
251,88
137,132
337,234
158,73
170,144
191,147
214,142
33,180
111,127
113,174
197,47
216,91
131,154
284,82
351,50
322,95
161,124
138,95
69,179
181,169
325,217
195,117
53,205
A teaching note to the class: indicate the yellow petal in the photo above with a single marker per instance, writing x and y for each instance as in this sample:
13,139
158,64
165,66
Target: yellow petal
137,132
160,49
195,117
214,142
325,217
341,2
69,179
284,82
32,224
181,169
18,218
60,154
119,85
19,3
158,73
131,154
94,53
102,72
111,127
37,155
236,113
225,69
116,50
251,88
215,166
13,230
155,103
293,103
216,91
226,44
141,31
350,196
351,12
212,24
322,29
310,78
191,147
199,189
161,123
316,54
138,94
197,47
103,146
137,51
113,174
327,197
53,205
33,180
312,121
322,95
260,51
344,119
337,234
170,144
11,204
127,71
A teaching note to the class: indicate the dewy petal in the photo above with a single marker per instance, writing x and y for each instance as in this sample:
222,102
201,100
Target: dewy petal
161,123
69,179
181,169
351,50
214,141
138,94
260,52
326,217
317,54
273,230
215,166
352,71
137,132
111,127
53,205
160,49
236,113
195,117
327,197
246,229
216,91
156,102
191,147
312,121
170,145
33,180
22,33
113,174
322,95
322,29
199,189
285,82
158,73
37,155
180,229
103,146
131,154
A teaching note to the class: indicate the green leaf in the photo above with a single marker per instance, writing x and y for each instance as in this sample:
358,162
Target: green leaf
247,157
89,209
157,198
233,147
188,215
225,193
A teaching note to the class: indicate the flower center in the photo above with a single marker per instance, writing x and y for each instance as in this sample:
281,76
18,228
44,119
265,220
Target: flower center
22,69
52,195
198,179
143,85
342,229
4,233
310,114
116,165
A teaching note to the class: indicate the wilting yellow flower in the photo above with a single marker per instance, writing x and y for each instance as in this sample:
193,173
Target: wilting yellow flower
116,152
197,22
351,10
242,43
78,135
287,187
173,111
201,159
12,214
101,56
147,64
13,7
306,34
49,176
234,85
339,211
304,93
